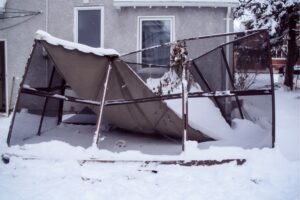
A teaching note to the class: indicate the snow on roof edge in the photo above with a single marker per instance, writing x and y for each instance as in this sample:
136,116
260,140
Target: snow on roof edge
42,35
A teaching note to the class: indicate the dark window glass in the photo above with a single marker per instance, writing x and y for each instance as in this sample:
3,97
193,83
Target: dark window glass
156,32
89,27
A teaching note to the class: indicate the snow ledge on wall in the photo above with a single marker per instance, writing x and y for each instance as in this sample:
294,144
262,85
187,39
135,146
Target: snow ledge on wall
175,3
42,35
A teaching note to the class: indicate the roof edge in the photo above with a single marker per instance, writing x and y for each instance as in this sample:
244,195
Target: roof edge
170,3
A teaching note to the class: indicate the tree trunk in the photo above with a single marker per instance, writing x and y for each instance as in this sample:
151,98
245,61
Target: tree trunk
292,53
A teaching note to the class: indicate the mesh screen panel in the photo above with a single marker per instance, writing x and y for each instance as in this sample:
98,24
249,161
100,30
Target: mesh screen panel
251,60
140,63
243,64
31,109
27,118
198,47
239,62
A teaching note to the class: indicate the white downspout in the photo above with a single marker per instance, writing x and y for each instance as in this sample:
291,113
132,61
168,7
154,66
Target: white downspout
227,21
47,10
47,13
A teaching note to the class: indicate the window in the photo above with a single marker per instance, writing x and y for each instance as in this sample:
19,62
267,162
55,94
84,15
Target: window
88,27
156,31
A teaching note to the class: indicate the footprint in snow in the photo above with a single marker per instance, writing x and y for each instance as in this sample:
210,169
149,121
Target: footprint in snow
120,143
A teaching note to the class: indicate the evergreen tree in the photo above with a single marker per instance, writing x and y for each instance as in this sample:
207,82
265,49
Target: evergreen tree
281,18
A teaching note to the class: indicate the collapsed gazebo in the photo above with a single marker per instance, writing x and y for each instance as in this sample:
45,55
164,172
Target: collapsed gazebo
236,76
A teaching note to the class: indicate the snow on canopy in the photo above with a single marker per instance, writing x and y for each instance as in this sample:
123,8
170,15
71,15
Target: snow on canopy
42,35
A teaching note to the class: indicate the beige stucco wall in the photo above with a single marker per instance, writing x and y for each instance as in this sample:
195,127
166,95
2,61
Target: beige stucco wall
120,27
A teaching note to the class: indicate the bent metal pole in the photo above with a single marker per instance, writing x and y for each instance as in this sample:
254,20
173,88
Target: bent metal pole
184,105
184,82
97,132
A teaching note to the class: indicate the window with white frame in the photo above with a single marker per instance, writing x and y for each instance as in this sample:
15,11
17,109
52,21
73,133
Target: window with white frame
155,31
88,27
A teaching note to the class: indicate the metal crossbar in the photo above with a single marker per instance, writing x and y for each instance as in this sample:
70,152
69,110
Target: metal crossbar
216,94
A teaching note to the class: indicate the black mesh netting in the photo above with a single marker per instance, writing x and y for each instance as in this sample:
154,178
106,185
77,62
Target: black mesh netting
240,65
37,114
152,63
232,62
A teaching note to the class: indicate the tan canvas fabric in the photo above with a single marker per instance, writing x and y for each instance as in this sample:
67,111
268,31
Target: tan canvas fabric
85,73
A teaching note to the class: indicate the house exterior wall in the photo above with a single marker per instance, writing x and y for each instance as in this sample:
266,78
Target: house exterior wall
19,40
120,27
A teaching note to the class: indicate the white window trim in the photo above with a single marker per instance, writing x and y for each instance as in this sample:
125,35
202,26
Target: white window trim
139,31
75,31
6,77
150,18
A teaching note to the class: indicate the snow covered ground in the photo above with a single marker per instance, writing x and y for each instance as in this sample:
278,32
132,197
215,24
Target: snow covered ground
57,174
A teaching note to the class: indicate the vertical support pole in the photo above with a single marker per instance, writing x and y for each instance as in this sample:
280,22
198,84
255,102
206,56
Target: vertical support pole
184,105
272,88
11,92
46,102
97,132
61,103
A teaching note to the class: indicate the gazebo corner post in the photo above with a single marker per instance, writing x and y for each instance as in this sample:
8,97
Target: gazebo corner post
45,102
61,103
272,89
98,128
184,117
184,87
